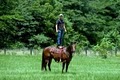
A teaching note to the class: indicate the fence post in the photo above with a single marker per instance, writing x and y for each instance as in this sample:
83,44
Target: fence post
5,51
86,49
31,50
115,50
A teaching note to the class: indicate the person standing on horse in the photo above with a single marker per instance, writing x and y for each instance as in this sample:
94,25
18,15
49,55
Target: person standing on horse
60,29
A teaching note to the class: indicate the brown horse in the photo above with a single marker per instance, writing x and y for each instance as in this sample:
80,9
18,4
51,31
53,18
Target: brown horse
64,55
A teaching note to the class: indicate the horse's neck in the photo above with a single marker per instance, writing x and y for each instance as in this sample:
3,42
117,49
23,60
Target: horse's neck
68,51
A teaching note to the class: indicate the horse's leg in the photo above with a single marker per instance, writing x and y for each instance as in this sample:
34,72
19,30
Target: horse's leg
49,63
67,64
42,66
63,65
45,65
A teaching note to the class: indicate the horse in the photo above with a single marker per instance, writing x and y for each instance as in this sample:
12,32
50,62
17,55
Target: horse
63,55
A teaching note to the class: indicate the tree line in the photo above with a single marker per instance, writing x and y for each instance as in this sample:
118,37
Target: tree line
31,23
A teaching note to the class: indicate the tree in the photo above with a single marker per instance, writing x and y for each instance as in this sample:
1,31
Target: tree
87,21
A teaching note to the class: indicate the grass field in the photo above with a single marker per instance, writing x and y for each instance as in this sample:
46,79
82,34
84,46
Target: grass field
28,67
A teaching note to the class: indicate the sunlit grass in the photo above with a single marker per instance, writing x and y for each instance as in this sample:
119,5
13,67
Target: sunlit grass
81,68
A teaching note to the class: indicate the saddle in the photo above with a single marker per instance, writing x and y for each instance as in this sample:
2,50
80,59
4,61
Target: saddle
57,53
57,50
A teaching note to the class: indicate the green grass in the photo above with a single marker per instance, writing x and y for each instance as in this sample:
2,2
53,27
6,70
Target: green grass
81,68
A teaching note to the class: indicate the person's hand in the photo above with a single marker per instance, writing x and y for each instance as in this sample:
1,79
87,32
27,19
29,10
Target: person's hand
56,30
65,31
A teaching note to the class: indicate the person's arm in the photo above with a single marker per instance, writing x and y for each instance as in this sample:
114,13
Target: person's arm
64,28
56,28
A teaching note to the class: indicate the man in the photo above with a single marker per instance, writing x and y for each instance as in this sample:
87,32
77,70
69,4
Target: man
60,29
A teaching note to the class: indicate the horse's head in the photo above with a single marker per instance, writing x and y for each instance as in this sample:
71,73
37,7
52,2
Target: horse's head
72,47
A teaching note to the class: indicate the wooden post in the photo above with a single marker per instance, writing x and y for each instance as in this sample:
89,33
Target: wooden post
5,51
116,49
86,48
31,50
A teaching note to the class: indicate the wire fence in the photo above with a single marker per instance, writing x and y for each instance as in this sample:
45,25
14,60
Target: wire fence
26,51
23,51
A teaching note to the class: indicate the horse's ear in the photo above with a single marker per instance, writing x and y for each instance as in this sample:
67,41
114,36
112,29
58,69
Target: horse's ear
75,43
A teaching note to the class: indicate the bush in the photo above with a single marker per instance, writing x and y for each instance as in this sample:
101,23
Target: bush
103,47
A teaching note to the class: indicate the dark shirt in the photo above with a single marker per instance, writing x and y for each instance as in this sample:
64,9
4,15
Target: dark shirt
60,24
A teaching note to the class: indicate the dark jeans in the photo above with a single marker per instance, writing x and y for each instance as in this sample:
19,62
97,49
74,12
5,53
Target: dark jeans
60,37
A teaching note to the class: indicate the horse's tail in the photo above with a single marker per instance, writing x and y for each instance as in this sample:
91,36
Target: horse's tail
43,61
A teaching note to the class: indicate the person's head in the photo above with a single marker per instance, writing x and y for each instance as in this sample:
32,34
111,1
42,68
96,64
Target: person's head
61,16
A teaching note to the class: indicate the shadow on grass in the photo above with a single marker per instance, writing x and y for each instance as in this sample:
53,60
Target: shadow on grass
64,73
59,72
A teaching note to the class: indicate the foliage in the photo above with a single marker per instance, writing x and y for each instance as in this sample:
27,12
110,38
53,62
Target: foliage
36,40
32,22
104,46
